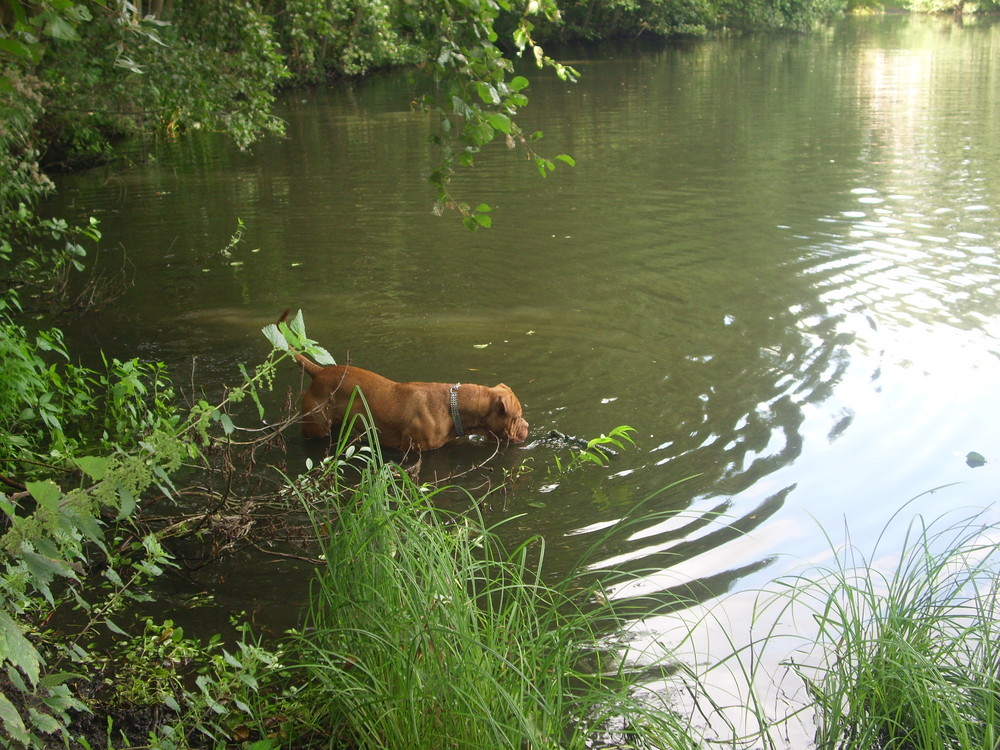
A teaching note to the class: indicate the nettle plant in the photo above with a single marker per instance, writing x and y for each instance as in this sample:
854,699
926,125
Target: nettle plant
79,450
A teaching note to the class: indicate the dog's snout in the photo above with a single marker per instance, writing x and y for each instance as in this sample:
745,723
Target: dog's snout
520,432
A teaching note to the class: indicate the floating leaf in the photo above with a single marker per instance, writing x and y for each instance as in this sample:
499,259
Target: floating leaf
975,460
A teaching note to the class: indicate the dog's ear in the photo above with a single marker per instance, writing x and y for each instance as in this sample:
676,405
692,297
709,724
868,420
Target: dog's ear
501,404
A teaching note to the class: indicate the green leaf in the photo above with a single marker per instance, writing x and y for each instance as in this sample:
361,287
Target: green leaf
487,93
227,424
44,723
60,28
93,466
43,569
88,525
11,721
292,335
320,355
544,166
17,649
112,575
567,158
165,485
46,493
460,107
500,122
114,628
18,48
278,341
127,503
518,82
253,391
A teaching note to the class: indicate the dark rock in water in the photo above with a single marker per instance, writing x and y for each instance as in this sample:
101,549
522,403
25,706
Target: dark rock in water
975,460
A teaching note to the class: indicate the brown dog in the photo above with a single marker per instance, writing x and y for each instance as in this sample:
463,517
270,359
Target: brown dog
408,415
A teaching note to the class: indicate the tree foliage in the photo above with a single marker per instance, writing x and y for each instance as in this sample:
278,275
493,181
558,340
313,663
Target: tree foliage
795,15
629,19
80,75
324,38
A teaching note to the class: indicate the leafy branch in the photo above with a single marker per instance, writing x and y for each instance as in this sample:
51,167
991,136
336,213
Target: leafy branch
476,93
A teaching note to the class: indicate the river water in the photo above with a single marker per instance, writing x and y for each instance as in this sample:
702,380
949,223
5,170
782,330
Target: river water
775,258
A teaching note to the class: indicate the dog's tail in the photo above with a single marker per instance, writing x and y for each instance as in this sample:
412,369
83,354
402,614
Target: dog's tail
305,363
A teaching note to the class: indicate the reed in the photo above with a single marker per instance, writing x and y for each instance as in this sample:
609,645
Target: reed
424,632
907,655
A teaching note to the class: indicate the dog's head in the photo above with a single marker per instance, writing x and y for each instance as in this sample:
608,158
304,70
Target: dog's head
505,420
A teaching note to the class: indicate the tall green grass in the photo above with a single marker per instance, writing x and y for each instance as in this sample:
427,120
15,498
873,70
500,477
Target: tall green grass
424,632
906,653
